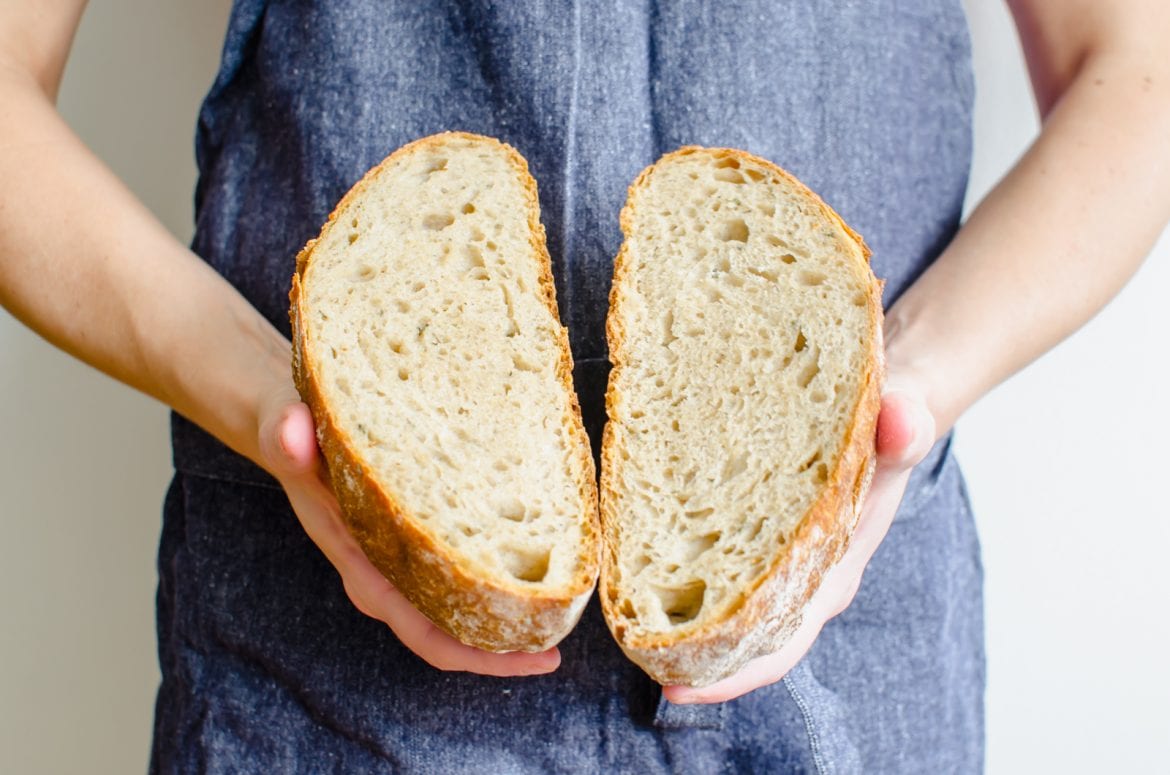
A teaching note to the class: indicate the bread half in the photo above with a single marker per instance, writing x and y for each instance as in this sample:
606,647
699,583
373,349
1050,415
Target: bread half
428,346
745,334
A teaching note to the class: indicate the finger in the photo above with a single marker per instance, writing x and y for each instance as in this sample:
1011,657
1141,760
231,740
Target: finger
382,600
760,671
297,437
905,430
288,442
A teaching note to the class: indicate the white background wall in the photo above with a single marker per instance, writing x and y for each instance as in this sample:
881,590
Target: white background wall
1065,462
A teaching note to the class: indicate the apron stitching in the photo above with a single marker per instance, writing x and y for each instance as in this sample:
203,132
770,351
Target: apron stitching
571,124
813,740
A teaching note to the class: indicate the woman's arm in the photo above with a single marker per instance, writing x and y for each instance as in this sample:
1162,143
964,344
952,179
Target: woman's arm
1047,248
88,267
1070,223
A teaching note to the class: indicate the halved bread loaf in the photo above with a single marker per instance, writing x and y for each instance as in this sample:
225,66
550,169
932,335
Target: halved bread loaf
428,346
744,331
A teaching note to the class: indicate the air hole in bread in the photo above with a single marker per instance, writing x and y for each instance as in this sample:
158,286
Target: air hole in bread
755,175
343,385
479,273
353,237
808,374
735,465
682,604
640,562
667,326
822,473
491,245
438,221
627,610
474,256
734,230
512,510
800,343
403,374
810,278
696,546
728,176
468,208
365,273
818,397
699,513
403,305
469,531
727,162
859,299
764,274
513,327
523,364
435,164
526,563
810,371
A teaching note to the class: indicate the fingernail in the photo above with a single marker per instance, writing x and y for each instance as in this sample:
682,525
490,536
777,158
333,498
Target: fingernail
682,699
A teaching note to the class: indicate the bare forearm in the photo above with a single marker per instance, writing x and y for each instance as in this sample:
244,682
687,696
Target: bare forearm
87,266
1052,243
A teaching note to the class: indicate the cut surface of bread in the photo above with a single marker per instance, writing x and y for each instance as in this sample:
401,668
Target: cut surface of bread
428,347
744,330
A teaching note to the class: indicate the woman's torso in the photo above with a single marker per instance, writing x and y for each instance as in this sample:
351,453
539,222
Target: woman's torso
867,102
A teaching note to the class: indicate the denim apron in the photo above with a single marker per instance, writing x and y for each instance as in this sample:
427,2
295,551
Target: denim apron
268,668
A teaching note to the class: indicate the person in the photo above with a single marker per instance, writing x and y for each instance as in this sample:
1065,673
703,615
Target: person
273,637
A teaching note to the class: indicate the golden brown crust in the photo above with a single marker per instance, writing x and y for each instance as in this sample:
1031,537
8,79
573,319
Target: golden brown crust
772,606
477,611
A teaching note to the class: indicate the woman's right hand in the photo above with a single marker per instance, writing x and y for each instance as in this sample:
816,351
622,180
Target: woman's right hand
288,446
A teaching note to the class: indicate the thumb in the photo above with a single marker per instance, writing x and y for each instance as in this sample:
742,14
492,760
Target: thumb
288,440
905,429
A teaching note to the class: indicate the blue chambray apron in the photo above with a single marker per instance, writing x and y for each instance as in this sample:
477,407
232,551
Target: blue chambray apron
266,665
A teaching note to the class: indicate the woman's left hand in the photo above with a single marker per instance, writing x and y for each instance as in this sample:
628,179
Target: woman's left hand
905,433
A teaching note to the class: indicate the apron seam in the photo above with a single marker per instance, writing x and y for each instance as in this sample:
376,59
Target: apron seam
809,727
567,172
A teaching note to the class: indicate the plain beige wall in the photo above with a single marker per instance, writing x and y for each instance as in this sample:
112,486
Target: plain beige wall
84,461
1066,465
